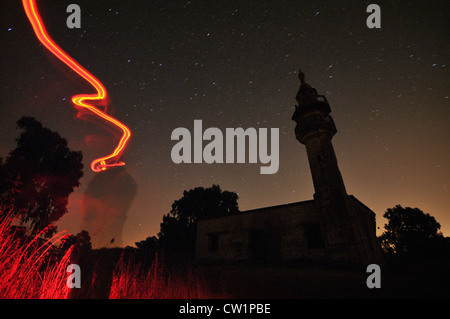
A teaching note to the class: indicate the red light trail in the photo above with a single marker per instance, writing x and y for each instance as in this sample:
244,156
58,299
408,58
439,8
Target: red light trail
81,100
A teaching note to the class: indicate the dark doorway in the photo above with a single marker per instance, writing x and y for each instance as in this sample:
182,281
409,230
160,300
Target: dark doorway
213,242
258,245
313,235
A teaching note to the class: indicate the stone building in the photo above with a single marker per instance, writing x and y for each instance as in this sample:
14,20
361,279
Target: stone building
334,226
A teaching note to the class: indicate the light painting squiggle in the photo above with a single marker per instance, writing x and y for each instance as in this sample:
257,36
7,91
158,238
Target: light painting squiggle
81,100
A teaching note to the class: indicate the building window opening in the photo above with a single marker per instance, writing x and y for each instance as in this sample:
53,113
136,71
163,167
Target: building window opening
213,242
313,235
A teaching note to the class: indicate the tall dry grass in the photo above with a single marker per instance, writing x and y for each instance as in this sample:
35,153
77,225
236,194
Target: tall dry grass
130,281
28,270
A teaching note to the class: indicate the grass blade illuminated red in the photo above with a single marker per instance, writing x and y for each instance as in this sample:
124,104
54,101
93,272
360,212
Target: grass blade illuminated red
81,100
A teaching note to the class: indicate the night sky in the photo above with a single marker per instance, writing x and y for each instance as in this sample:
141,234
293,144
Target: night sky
234,64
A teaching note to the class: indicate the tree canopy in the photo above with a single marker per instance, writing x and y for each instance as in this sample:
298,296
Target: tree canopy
411,232
38,176
178,229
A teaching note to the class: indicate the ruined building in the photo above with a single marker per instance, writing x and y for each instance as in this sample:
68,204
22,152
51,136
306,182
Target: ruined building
334,226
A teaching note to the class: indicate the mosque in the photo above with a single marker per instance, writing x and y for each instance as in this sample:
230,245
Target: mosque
333,226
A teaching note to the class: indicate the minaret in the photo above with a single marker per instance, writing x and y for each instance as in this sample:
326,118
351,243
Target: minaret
315,129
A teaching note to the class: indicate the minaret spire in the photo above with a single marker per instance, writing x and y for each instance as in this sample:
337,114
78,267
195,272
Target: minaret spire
306,94
315,129
345,224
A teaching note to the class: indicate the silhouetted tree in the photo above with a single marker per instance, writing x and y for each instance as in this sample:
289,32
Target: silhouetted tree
178,229
39,175
81,244
83,241
3,177
412,233
146,250
150,243
67,242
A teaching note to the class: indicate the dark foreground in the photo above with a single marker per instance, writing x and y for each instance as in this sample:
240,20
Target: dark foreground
293,282
406,279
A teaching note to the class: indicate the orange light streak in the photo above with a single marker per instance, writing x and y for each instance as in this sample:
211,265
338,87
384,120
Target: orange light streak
81,100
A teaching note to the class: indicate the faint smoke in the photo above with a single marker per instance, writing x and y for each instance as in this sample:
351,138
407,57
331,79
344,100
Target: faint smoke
105,205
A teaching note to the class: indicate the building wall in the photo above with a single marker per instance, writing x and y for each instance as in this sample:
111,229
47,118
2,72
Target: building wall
365,230
271,233
281,233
